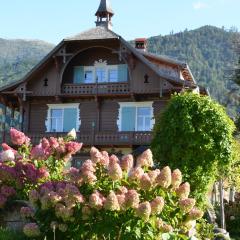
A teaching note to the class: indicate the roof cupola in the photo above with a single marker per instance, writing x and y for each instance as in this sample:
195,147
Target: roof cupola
104,14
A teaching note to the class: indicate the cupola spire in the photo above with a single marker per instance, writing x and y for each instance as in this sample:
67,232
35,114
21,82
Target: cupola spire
104,14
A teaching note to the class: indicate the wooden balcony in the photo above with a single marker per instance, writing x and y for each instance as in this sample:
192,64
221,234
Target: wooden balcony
102,138
96,89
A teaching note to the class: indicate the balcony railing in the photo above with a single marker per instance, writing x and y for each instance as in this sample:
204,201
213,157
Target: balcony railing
96,89
102,138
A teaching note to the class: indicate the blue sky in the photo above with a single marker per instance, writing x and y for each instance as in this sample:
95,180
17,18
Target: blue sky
52,20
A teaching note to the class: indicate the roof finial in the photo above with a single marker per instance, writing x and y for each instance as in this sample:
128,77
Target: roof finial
104,14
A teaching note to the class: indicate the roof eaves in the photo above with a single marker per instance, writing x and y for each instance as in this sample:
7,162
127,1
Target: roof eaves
153,67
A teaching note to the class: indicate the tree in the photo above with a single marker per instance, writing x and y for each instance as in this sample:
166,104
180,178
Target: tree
194,134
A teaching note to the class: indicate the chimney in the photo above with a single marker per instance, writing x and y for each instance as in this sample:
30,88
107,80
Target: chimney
141,44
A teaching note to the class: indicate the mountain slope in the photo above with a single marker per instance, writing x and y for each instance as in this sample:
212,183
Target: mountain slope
17,57
208,51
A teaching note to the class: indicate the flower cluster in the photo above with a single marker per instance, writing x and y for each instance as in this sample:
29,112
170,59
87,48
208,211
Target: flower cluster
106,184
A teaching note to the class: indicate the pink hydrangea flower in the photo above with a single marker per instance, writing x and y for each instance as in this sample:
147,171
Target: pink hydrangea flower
113,160
164,179
157,205
127,162
95,155
89,177
186,205
145,182
7,155
73,147
96,200
53,143
122,201
8,191
26,212
6,147
176,178
122,190
111,202
183,191
115,171
45,144
145,159
136,173
88,166
158,223
104,160
195,214
38,152
31,230
43,173
132,199
153,175
144,211
17,137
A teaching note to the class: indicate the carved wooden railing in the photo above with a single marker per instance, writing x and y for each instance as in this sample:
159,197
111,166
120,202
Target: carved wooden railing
102,138
93,89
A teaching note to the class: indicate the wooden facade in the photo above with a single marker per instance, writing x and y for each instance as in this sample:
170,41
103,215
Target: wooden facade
132,78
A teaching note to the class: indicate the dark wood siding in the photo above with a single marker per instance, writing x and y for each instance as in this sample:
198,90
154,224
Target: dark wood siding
88,115
38,115
109,116
158,107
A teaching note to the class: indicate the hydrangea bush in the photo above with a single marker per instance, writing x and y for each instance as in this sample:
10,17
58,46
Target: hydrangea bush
107,198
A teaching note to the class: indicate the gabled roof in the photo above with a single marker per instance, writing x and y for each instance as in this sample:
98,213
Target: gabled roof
98,33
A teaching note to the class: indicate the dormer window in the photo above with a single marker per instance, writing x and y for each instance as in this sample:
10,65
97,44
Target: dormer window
100,73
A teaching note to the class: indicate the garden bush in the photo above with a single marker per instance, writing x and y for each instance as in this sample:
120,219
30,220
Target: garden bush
195,135
107,198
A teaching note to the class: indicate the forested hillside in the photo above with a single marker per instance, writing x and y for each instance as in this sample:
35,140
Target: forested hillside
208,51
17,57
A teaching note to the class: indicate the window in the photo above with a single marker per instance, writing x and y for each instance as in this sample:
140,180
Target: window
113,75
88,76
62,117
101,73
136,117
56,120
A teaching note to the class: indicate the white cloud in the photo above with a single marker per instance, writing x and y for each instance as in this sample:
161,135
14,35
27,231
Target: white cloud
199,5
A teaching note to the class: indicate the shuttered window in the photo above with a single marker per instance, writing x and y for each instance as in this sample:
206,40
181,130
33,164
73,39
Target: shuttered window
78,74
108,73
62,118
136,118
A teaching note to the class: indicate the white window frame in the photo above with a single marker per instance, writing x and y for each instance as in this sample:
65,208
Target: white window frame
137,105
100,64
62,106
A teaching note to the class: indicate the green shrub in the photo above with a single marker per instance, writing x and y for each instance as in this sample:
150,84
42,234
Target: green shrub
194,134
6,234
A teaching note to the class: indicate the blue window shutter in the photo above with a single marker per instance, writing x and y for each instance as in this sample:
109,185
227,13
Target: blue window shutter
128,119
69,119
122,73
78,75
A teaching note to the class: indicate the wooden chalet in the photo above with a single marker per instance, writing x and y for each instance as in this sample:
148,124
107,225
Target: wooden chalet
98,83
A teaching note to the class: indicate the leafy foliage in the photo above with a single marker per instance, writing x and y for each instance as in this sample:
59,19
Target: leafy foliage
194,134
6,234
